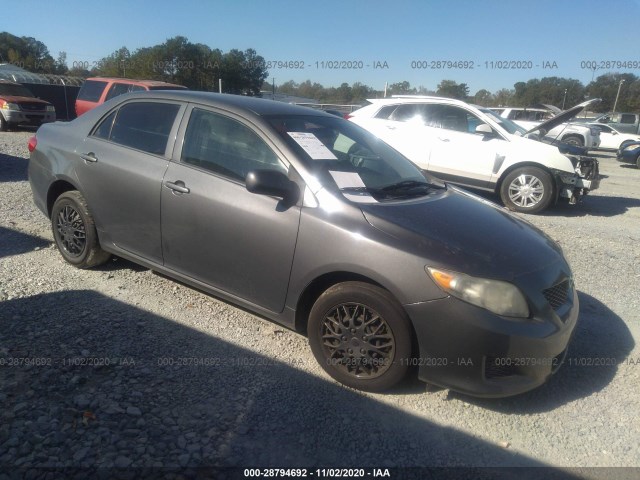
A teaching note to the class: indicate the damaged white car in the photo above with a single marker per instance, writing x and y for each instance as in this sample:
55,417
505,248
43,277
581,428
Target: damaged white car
474,147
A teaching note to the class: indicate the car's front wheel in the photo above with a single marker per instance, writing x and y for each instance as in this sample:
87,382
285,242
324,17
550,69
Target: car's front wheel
4,126
527,190
74,231
361,336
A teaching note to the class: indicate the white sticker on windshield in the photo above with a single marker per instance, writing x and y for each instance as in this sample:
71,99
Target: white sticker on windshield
347,179
313,146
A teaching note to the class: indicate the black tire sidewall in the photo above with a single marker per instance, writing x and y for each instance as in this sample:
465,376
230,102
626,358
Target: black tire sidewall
543,176
387,307
75,200
573,140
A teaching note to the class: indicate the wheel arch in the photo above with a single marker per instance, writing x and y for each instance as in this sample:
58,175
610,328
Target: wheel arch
56,189
526,164
319,285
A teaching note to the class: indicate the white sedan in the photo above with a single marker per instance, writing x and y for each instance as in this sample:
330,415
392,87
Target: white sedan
610,138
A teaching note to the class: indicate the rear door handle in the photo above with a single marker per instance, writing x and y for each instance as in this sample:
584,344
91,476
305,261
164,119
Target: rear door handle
443,139
89,157
177,186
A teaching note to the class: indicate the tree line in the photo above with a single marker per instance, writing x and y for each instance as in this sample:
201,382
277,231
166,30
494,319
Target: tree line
201,67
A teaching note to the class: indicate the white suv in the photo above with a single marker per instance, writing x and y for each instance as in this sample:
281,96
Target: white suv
474,147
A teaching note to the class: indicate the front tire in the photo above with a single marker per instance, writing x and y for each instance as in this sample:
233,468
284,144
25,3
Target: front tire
4,126
527,190
361,336
74,231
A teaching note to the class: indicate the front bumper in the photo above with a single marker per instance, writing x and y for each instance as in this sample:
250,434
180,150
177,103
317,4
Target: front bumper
628,156
574,186
18,117
473,351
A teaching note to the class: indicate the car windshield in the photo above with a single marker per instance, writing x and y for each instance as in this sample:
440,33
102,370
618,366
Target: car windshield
346,158
511,127
14,90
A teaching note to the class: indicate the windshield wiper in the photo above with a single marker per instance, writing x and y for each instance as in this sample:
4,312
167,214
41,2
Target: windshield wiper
407,185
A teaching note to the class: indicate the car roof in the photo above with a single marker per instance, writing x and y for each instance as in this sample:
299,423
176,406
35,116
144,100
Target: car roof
398,99
148,83
240,103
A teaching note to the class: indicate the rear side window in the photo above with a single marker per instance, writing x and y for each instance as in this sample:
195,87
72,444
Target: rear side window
627,118
91,90
141,125
225,146
117,89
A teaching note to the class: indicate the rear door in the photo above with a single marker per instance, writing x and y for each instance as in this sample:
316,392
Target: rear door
213,229
121,165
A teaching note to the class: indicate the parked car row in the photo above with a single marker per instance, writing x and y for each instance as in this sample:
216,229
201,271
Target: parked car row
310,220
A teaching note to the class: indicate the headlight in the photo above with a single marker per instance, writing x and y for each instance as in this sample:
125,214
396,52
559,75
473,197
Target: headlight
633,146
10,106
499,297
51,108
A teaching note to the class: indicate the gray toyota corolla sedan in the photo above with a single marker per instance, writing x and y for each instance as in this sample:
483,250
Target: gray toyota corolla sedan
310,221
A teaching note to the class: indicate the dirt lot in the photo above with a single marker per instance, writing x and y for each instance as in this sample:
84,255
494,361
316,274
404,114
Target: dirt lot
112,381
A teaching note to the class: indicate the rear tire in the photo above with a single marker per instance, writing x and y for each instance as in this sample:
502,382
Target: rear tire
361,336
574,140
4,126
527,190
74,231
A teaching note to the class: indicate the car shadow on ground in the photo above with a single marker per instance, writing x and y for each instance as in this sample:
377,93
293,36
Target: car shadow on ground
594,205
600,342
13,242
119,383
13,169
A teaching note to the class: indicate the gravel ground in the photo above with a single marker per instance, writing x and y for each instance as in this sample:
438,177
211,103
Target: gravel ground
111,381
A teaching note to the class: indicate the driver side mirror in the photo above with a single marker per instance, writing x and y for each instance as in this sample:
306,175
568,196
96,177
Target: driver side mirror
274,183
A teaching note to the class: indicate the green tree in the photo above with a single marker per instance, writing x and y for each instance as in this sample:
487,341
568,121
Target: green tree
606,86
26,52
483,97
451,89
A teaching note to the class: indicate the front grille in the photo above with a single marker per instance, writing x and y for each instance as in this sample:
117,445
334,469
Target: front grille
33,106
558,295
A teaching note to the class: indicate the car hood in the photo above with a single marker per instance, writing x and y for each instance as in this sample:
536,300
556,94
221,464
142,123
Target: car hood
563,117
20,99
466,233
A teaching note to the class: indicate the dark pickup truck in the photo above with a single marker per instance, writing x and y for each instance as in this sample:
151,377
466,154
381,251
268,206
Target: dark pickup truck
623,122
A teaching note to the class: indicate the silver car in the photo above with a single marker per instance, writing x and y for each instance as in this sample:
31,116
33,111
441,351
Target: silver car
308,220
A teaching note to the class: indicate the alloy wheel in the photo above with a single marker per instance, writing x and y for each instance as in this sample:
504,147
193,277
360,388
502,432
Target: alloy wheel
358,340
71,231
526,190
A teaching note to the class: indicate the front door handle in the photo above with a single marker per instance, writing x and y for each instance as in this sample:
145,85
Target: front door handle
89,157
442,139
177,186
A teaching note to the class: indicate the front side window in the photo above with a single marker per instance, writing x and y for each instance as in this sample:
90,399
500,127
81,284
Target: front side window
450,118
225,146
141,125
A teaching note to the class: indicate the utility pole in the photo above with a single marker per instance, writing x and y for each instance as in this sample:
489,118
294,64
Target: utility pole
615,104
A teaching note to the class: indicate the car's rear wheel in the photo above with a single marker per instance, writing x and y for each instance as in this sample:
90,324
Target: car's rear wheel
74,231
638,162
361,336
574,140
527,189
